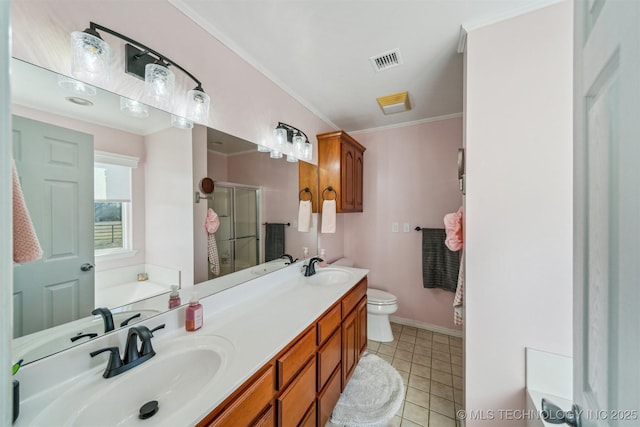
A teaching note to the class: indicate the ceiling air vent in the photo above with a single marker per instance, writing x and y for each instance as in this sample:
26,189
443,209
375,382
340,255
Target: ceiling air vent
386,60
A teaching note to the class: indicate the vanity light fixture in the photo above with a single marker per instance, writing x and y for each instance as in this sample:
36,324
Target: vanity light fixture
91,61
300,147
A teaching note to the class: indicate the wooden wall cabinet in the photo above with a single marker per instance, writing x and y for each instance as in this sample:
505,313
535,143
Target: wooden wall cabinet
340,166
301,385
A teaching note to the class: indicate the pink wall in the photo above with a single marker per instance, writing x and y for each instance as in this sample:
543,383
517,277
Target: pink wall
518,204
410,176
111,141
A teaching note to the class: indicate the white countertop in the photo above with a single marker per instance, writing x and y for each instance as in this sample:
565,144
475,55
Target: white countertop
259,318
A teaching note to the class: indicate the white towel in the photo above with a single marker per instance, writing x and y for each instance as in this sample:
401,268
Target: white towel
328,216
304,216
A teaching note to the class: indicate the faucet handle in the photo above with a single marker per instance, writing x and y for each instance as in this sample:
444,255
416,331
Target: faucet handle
114,362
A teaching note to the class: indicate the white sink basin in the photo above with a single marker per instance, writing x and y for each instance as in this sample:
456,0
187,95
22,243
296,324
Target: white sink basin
330,276
180,373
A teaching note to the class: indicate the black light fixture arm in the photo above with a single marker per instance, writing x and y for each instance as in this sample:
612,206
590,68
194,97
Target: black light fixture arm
93,27
291,130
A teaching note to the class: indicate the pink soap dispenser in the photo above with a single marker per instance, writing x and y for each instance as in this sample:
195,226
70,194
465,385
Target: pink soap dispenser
174,297
193,314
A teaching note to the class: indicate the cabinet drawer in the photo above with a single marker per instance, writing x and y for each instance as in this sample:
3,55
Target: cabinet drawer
249,404
309,419
267,419
298,397
353,297
329,357
294,359
328,324
329,397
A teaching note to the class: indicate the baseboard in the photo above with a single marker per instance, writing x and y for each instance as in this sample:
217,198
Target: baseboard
426,326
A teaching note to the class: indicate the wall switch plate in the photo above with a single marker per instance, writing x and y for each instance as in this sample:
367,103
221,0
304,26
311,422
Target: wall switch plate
406,227
395,227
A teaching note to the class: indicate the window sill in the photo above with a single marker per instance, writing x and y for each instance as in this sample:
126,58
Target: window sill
110,255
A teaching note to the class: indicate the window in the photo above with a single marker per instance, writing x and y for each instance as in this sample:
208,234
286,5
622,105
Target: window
112,204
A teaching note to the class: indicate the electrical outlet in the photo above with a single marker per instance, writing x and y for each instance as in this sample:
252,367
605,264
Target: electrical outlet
395,227
406,227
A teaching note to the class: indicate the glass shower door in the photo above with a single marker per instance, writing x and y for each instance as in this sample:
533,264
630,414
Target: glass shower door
237,236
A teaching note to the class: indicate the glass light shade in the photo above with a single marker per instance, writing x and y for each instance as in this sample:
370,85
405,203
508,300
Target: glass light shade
198,104
291,159
91,58
181,122
275,154
75,87
133,108
263,148
159,83
298,146
308,151
280,138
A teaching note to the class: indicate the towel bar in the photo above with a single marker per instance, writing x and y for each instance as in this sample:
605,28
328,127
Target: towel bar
330,188
305,190
288,224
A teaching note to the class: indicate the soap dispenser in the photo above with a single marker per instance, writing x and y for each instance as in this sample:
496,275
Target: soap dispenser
174,297
193,314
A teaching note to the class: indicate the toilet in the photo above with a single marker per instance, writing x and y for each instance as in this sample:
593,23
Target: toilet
380,305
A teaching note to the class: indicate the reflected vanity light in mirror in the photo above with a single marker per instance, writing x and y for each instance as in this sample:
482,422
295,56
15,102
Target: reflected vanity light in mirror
181,122
133,108
30,84
76,87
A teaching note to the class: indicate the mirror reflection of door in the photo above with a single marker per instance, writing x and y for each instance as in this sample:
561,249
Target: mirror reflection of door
237,236
55,166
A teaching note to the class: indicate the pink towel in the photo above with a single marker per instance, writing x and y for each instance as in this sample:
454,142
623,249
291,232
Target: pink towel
211,224
453,230
26,247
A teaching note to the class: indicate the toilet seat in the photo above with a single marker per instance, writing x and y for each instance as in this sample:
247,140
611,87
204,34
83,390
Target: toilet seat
378,297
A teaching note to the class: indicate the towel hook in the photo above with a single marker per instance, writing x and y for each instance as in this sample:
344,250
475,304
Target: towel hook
330,188
305,190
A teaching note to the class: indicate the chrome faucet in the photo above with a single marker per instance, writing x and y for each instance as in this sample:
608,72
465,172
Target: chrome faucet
132,355
289,257
106,316
310,270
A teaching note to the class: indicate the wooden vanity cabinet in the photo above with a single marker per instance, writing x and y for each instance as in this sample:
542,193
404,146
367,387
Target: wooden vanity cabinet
340,165
301,385
252,405
354,329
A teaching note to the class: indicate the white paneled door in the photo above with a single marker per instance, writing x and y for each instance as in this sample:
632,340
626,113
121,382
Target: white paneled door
607,212
55,166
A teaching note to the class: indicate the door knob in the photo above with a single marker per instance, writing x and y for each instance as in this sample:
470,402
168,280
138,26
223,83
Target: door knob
86,267
552,414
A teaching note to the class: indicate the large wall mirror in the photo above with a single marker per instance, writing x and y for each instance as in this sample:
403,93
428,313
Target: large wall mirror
110,187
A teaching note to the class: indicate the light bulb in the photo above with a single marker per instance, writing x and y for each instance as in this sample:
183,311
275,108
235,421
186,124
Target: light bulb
198,104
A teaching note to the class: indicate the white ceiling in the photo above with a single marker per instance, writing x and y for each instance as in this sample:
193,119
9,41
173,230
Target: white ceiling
318,50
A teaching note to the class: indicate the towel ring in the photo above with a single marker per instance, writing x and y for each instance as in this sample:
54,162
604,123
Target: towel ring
330,188
305,190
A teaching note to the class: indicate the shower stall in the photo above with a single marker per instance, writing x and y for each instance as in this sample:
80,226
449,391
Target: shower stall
237,237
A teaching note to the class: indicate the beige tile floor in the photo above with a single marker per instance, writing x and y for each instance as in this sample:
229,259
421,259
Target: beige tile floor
430,365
